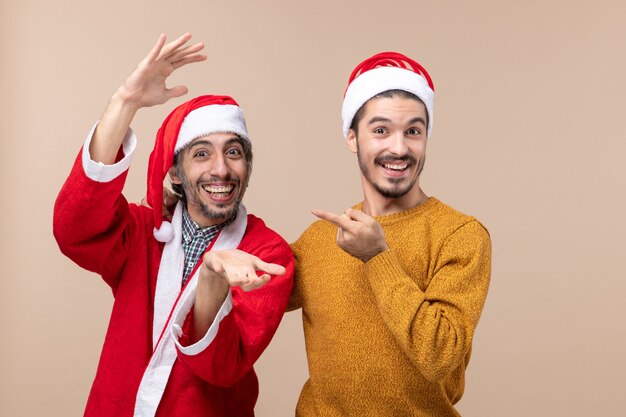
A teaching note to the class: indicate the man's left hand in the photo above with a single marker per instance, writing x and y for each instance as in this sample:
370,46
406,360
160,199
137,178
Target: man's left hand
359,234
170,199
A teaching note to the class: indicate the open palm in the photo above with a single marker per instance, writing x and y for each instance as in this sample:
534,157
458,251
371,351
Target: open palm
146,86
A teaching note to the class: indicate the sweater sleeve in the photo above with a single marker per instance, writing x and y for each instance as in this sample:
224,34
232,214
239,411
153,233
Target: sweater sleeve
91,217
246,328
435,327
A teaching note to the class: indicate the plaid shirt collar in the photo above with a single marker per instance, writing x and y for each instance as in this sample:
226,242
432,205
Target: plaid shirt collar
192,231
196,240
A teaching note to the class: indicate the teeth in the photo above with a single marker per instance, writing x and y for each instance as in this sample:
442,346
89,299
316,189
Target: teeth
218,189
396,167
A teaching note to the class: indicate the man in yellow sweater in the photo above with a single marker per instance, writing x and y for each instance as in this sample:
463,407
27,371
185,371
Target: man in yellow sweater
391,290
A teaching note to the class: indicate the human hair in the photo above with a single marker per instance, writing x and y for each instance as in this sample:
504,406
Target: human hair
385,94
177,164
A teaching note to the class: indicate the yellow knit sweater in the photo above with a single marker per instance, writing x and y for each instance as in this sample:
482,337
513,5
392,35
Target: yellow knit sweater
392,336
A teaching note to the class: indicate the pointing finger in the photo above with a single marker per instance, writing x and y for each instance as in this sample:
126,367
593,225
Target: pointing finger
338,220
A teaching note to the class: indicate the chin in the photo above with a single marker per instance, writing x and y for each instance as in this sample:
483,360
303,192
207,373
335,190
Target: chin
392,193
220,212
395,190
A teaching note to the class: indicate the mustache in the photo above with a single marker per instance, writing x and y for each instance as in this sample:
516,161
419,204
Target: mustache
219,179
394,158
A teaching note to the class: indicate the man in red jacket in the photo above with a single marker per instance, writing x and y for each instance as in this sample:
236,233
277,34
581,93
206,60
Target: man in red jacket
195,303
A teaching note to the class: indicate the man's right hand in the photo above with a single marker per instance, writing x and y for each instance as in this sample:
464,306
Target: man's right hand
144,87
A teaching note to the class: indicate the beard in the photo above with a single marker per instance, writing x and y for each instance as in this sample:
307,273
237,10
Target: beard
191,195
394,188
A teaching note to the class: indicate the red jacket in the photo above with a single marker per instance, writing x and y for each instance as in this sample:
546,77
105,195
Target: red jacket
96,227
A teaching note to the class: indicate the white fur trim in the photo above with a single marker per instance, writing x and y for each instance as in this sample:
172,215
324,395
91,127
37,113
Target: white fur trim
211,119
170,274
158,370
99,172
380,79
153,383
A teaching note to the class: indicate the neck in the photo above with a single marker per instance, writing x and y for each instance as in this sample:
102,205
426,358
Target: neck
375,204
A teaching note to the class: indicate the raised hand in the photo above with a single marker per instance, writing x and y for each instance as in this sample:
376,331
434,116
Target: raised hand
239,268
146,85
143,88
358,234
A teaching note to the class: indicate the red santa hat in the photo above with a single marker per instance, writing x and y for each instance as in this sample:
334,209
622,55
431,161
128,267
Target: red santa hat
382,72
198,117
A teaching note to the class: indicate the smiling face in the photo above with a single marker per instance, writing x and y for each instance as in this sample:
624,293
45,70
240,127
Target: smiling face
213,172
391,148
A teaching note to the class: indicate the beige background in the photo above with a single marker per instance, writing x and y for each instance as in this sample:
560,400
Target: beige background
528,137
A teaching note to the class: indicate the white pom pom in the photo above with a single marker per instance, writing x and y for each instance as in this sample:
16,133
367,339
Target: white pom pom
165,233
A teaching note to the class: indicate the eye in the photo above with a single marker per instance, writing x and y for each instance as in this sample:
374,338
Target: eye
380,130
201,154
413,131
234,152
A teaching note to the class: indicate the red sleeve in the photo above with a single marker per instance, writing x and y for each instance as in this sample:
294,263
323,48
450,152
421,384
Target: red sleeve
93,224
244,333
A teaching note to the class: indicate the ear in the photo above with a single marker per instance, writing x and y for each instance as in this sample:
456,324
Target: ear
351,141
173,177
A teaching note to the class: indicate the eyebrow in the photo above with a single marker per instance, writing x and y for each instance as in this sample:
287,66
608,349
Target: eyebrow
200,143
233,140
414,120
417,120
377,119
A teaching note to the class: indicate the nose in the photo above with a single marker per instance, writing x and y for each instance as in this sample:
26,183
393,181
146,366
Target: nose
219,167
397,144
